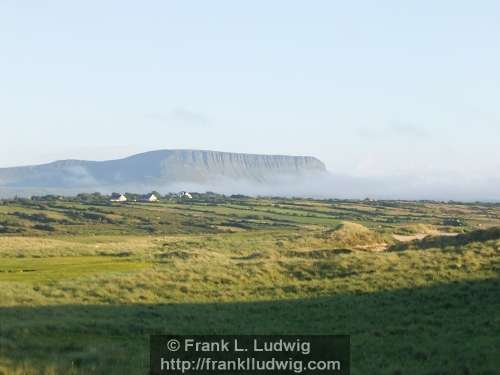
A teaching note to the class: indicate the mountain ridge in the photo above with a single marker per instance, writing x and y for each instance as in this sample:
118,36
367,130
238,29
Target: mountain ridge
161,168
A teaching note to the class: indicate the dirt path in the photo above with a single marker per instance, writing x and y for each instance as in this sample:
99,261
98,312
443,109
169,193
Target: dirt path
418,236
421,236
373,247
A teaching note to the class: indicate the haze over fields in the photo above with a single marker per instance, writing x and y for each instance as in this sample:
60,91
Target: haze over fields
222,172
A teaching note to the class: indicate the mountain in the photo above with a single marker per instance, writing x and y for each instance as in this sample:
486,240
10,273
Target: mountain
162,170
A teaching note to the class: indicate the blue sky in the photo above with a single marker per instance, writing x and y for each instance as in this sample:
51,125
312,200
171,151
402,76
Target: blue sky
373,88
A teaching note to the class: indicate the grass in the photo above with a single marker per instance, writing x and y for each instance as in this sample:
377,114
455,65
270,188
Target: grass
84,297
35,270
443,329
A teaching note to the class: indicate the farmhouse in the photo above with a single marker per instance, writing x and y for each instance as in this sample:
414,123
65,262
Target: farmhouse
148,198
185,194
116,197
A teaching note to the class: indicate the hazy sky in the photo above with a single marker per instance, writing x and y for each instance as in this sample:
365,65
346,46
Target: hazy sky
373,88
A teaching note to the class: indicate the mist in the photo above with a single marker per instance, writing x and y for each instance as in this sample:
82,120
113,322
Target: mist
315,185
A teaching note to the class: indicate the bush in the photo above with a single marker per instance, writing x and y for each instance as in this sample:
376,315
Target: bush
41,218
44,227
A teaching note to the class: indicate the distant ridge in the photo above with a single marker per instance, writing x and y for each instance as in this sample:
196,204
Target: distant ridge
160,170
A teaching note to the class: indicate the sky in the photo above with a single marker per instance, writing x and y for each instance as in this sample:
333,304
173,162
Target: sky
375,89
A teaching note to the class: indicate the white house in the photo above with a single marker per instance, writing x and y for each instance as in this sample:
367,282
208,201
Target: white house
115,197
149,198
185,194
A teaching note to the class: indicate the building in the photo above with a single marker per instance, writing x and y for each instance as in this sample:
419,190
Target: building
148,198
115,197
185,194
152,198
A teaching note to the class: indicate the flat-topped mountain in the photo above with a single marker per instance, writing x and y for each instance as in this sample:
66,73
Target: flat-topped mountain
161,169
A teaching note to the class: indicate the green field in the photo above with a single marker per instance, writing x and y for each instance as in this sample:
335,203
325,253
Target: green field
83,282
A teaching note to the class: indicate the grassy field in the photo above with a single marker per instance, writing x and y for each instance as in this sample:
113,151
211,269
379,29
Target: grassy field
83,283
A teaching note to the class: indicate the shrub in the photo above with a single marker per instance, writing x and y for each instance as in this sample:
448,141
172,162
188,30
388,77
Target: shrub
44,227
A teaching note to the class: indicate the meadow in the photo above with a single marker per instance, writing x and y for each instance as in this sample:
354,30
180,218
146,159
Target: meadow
84,282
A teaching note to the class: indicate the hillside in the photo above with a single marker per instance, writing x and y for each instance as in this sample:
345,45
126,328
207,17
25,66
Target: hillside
84,282
159,170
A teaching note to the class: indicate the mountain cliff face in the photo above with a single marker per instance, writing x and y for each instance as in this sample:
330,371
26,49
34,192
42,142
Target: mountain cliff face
159,169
